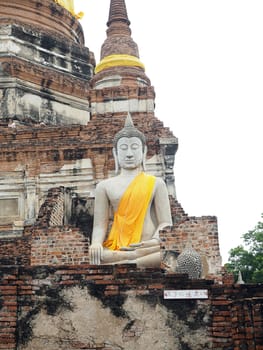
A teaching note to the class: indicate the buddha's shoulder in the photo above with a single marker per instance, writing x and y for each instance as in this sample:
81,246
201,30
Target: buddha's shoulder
105,182
108,183
160,184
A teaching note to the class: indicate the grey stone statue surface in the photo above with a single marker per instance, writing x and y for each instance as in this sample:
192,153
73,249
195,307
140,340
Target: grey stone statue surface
139,202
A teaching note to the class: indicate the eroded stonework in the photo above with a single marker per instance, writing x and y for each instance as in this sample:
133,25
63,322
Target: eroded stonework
84,322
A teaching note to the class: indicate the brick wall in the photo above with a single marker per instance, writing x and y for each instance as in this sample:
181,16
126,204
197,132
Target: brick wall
8,307
15,251
231,318
47,149
52,242
51,212
58,245
201,232
237,321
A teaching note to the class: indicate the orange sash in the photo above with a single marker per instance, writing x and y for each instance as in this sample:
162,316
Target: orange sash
129,218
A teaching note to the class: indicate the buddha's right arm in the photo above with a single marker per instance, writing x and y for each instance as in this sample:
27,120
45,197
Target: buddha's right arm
100,224
162,207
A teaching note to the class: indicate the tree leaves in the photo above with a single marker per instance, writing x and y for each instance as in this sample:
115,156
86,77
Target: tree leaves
248,258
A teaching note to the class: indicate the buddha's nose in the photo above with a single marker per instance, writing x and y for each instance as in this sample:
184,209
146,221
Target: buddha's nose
129,153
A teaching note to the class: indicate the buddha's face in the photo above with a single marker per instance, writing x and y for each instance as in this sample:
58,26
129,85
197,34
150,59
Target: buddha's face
129,152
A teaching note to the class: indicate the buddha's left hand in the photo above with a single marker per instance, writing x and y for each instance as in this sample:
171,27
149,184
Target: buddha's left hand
145,244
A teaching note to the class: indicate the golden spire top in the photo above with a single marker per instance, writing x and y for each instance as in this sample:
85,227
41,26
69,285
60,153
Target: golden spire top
69,5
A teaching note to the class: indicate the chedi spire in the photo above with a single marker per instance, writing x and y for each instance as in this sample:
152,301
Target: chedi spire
118,12
119,49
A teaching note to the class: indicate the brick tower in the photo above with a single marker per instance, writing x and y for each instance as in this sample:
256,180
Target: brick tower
44,67
45,71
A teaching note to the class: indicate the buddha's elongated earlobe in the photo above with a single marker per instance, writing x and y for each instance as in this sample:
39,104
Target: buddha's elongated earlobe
144,158
115,161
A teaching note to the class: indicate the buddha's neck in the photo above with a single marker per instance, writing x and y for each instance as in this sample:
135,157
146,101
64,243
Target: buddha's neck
130,172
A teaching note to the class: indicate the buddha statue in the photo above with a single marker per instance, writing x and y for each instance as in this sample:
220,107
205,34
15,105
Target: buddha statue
139,202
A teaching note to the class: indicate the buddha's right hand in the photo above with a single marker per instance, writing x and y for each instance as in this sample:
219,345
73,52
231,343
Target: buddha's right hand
95,253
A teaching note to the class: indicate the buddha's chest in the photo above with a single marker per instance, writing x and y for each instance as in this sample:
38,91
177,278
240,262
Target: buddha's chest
116,191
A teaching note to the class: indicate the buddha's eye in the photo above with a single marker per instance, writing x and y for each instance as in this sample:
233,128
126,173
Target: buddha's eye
123,147
135,146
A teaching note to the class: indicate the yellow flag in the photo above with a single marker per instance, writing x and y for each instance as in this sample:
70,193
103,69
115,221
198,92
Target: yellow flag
69,5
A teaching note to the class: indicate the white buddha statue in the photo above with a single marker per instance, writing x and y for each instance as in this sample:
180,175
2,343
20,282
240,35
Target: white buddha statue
140,205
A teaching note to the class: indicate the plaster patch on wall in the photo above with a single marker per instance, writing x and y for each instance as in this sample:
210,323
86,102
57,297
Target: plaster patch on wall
89,323
132,105
48,111
9,207
38,106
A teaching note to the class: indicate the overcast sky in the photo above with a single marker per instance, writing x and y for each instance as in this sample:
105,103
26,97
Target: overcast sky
205,60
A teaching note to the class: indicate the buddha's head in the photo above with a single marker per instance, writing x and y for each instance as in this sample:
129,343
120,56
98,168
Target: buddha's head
129,147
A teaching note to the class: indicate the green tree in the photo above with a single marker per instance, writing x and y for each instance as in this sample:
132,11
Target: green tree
248,258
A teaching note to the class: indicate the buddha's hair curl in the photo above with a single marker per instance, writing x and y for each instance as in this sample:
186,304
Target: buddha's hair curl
129,130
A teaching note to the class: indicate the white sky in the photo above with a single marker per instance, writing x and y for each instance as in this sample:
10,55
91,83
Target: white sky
205,60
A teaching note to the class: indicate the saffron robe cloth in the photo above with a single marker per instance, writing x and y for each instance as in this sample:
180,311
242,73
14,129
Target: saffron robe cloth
129,218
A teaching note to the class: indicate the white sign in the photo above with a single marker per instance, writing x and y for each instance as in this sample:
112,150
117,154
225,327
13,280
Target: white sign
186,294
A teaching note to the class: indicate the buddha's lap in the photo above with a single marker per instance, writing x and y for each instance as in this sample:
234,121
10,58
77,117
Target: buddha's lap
119,255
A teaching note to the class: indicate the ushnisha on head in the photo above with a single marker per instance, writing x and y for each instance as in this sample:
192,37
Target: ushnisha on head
129,147
129,130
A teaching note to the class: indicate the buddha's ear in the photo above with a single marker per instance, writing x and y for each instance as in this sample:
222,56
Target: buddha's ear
114,151
144,158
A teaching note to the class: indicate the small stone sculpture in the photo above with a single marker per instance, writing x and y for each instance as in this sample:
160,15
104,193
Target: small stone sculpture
189,261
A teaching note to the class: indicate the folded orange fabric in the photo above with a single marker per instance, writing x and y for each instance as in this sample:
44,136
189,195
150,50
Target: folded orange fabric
129,218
